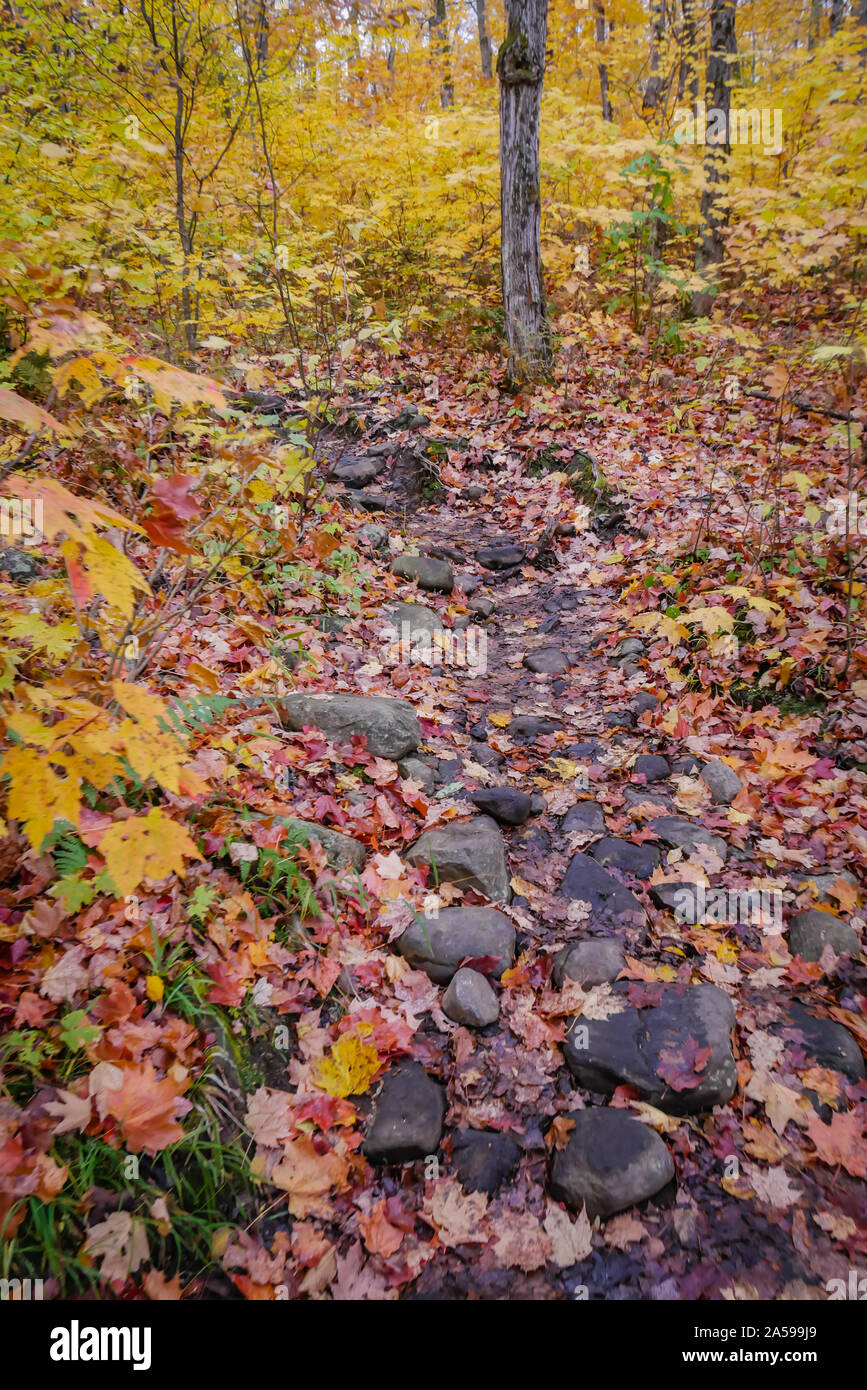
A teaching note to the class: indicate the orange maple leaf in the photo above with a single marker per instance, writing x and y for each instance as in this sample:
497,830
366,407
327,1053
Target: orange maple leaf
147,1109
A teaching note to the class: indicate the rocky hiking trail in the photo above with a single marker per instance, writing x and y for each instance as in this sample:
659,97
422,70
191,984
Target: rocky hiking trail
577,1088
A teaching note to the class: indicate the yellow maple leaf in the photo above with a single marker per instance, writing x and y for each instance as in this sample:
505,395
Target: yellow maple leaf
37,796
148,709
109,573
153,845
351,1065
711,619
501,718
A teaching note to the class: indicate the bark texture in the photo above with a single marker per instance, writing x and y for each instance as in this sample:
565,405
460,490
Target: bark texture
484,39
599,14
710,250
521,70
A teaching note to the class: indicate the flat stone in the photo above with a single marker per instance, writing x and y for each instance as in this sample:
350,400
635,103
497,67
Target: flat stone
390,726
630,646
593,962
508,805
434,575
531,726
609,1162
374,536
470,1000
687,835
547,662
654,767
723,781
585,816
670,895
481,606
439,944
585,880
371,501
341,851
811,931
408,1113
416,616
645,701
638,860
822,1041
418,771
688,1035
357,472
487,757
470,854
483,1160
687,766
619,719
500,557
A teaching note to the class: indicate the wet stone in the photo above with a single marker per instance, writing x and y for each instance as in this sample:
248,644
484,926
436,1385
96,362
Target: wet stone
637,860
547,662
677,1053
610,1162
587,881
484,1160
585,816
439,944
434,575
505,804
500,557
593,962
471,854
470,1000
407,1119
654,767
811,931
679,833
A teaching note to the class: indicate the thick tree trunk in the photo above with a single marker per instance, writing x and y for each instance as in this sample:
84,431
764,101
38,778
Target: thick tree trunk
838,11
599,11
521,69
443,49
484,38
710,250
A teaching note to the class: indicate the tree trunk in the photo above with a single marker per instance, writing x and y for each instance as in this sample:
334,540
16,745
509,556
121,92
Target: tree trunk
484,38
838,10
653,89
814,28
688,77
599,10
521,69
443,49
710,250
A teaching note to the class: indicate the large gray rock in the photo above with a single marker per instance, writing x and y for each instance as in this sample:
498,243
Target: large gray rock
357,472
821,1041
407,1120
435,575
638,860
548,661
584,816
470,1000
687,835
593,962
723,781
438,944
587,882
470,854
500,557
416,616
686,1037
508,805
390,726
811,931
610,1162
341,851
